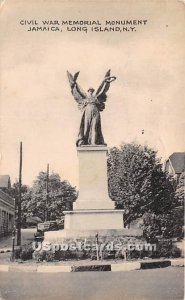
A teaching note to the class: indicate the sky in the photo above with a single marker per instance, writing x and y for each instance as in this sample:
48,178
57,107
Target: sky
37,106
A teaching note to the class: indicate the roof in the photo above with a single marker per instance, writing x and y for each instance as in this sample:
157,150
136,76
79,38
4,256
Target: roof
5,181
6,198
177,160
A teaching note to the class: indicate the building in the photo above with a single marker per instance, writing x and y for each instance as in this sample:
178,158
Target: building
7,207
175,164
5,181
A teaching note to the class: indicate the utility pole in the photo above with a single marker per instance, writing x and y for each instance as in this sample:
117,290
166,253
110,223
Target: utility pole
97,247
19,200
47,192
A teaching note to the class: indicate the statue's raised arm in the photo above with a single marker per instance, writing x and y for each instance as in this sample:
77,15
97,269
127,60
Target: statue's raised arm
103,88
77,92
91,104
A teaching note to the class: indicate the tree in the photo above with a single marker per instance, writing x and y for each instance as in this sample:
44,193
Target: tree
180,190
137,182
177,214
172,223
60,197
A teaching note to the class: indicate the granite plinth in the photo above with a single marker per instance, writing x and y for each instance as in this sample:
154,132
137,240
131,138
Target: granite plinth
93,181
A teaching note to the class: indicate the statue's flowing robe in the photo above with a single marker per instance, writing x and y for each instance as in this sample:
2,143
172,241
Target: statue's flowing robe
90,132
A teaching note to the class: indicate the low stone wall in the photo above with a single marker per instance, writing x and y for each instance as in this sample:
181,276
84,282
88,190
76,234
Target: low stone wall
119,239
57,236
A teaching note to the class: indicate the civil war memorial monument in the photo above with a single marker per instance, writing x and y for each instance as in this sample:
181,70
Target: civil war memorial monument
93,212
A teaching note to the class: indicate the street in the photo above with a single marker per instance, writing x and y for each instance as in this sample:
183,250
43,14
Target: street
156,284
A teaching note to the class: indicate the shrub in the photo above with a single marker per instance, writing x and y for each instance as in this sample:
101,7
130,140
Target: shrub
39,255
17,252
50,256
165,248
24,252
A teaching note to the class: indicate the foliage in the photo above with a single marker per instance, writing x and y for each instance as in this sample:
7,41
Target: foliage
166,248
170,223
60,197
44,256
137,182
163,225
180,190
50,256
17,252
24,252
151,227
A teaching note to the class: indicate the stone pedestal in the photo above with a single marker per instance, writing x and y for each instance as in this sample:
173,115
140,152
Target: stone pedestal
93,182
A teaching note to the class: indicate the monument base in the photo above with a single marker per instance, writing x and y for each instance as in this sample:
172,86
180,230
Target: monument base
110,234
93,211
86,223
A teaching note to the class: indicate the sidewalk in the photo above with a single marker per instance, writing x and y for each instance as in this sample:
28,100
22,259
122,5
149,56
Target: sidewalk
27,236
5,243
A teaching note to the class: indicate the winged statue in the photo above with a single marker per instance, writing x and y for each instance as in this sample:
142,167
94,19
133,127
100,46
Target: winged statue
91,104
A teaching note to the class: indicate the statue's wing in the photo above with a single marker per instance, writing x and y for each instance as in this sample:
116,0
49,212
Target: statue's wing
76,90
101,92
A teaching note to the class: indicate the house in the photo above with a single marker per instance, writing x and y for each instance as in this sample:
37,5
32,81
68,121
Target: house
5,181
7,207
175,164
